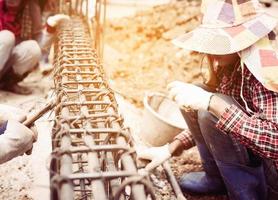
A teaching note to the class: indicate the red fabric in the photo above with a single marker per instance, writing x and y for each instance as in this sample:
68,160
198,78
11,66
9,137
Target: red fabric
186,138
8,18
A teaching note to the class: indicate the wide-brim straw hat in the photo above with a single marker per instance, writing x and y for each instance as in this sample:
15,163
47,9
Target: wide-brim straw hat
241,26
228,26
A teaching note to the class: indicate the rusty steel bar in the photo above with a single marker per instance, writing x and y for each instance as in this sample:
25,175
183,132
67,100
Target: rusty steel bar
31,119
91,157
66,159
98,188
173,181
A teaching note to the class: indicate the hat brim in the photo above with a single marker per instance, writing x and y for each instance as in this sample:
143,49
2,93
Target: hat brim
262,61
222,41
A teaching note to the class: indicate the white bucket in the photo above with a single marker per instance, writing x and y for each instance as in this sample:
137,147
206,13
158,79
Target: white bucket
162,120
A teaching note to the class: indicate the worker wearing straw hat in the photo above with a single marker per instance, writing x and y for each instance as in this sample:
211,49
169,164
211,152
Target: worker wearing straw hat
235,120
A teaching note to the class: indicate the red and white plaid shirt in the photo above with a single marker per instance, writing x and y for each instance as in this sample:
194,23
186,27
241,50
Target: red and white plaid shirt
257,128
9,14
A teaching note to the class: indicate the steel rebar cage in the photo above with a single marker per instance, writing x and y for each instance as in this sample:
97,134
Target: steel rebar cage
92,154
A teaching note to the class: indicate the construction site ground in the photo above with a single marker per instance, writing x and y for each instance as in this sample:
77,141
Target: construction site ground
138,58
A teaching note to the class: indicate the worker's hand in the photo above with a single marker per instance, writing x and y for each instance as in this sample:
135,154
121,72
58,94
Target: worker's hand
54,20
11,113
15,141
157,155
35,133
189,95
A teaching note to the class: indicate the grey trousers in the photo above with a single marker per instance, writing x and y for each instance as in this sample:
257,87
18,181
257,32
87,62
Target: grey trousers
21,58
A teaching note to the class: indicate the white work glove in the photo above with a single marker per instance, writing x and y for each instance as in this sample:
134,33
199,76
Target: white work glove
189,95
54,20
11,113
157,155
15,141
47,37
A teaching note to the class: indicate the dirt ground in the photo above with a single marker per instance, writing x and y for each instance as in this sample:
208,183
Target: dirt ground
147,60
138,57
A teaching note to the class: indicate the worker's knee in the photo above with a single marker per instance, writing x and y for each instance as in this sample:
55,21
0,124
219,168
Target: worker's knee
7,39
33,49
26,56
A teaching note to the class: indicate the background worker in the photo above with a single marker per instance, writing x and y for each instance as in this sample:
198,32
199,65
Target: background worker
18,58
235,120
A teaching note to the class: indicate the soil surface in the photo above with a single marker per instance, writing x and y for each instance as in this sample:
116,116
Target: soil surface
139,55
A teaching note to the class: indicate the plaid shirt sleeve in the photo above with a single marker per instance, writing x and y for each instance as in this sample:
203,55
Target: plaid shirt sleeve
186,138
259,135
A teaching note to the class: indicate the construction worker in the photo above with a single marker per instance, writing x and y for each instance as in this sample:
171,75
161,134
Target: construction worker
233,120
15,138
18,58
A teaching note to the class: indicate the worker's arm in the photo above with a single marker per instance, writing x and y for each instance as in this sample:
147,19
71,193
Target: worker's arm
43,35
217,106
176,147
49,31
35,13
258,133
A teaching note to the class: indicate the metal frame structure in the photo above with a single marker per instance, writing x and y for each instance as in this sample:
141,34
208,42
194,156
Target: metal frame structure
92,153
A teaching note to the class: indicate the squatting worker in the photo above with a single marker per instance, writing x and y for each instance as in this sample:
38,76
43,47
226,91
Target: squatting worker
235,123
18,58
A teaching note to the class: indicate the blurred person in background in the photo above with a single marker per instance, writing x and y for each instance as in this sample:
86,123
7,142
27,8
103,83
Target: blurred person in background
233,118
18,57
